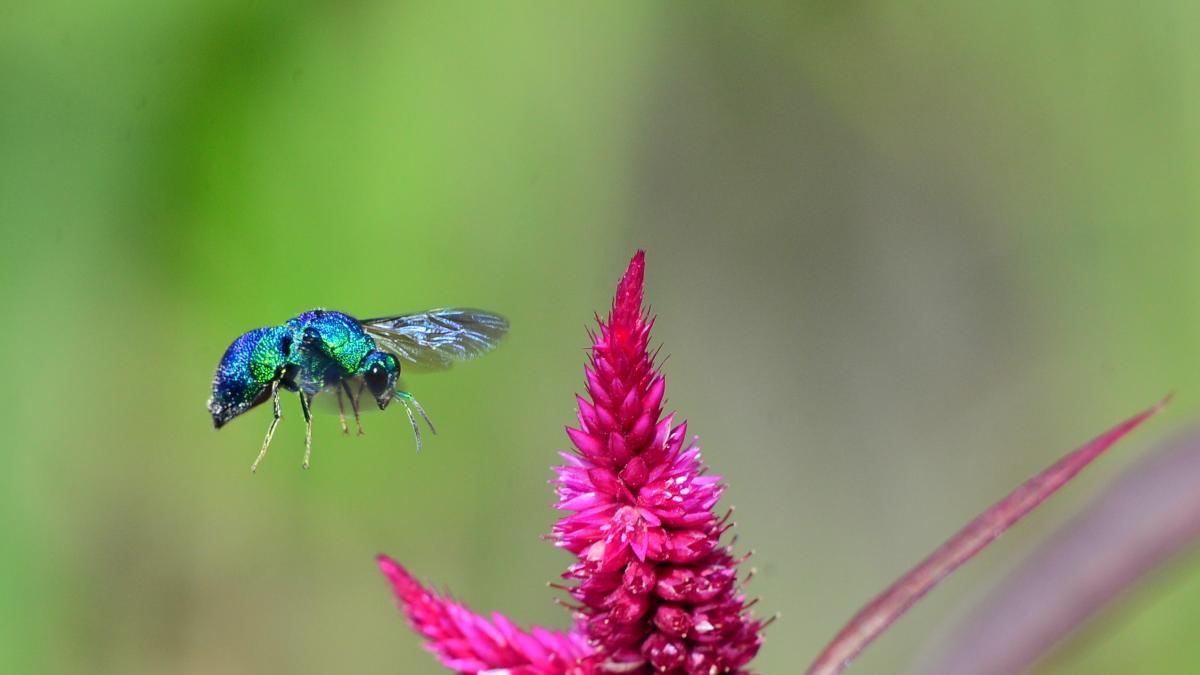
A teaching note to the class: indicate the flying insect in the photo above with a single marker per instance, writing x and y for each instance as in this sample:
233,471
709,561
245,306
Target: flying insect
324,353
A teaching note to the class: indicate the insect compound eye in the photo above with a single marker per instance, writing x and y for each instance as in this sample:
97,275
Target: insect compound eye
376,378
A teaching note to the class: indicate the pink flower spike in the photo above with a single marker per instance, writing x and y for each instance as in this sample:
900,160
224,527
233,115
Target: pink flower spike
873,619
658,589
468,643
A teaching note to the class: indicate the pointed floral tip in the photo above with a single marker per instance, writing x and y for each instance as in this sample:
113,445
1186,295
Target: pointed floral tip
657,591
873,619
469,643
627,304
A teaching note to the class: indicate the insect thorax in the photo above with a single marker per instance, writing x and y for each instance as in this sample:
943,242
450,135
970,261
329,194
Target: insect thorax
332,335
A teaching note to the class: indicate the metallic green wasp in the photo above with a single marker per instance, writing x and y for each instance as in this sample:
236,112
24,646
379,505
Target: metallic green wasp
327,353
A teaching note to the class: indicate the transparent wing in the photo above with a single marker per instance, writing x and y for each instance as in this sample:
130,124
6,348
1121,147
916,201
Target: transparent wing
434,340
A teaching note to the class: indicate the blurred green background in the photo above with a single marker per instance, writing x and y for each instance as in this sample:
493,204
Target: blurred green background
903,255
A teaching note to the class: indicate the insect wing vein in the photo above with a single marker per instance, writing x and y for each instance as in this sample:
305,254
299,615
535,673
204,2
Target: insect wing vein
434,340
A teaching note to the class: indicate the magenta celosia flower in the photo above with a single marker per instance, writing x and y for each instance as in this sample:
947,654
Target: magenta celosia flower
657,590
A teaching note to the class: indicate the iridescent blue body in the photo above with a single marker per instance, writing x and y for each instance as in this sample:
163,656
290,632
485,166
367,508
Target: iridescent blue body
250,365
326,351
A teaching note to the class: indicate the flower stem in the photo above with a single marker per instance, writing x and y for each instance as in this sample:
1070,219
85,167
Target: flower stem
873,619
1144,519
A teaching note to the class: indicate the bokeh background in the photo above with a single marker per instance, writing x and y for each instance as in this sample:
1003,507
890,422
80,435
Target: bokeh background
903,256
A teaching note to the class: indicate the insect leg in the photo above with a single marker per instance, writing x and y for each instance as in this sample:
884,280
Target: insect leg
342,413
307,428
406,396
271,429
354,403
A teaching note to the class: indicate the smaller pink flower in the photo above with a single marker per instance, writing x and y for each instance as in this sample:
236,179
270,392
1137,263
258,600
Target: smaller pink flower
468,643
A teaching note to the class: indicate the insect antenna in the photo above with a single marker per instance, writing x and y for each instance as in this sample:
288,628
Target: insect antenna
424,415
412,420
407,399
417,404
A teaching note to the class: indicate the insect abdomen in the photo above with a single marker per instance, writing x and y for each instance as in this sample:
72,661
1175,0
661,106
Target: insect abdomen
250,364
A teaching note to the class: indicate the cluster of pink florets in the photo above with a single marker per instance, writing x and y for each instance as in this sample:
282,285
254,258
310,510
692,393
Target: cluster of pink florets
657,587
